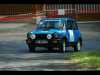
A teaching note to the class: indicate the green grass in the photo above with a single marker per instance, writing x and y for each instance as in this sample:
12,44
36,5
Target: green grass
90,59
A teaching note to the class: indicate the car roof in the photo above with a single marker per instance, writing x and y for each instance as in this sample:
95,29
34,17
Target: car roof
58,19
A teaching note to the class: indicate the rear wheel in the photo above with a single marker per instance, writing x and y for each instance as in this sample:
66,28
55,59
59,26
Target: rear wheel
77,47
62,46
31,48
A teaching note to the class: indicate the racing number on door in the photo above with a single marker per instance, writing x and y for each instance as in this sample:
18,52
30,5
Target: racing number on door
70,32
71,35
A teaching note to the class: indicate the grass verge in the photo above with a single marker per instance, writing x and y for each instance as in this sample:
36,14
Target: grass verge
89,59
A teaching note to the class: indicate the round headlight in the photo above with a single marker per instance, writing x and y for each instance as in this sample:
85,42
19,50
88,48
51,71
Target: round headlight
29,34
49,36
55,35
33,36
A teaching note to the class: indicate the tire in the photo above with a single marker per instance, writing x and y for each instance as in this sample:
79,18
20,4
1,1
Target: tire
62,47
77,47
50,48
31,48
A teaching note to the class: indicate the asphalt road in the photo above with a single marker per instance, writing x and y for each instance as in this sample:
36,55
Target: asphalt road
14,53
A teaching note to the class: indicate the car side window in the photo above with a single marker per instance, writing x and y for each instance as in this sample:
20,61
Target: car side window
69,26
63,25
74,25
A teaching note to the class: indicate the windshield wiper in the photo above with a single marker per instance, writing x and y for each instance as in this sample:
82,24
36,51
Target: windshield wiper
57,28
40,27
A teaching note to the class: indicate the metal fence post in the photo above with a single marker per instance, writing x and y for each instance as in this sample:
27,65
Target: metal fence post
76,15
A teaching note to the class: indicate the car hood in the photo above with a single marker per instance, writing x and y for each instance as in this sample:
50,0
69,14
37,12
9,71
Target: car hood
47,31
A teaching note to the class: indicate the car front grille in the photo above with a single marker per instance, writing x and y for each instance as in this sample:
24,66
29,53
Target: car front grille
41,36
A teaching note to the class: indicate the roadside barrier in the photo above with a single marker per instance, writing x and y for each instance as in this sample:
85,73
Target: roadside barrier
20,14
53,13
76,11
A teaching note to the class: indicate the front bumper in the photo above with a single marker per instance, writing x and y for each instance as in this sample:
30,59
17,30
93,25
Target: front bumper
51,43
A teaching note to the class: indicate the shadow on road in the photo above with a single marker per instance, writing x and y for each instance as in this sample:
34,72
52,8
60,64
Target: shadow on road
44,67
18,47
53,51
15,56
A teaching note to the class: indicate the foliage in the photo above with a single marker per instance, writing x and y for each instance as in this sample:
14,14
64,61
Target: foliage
90,59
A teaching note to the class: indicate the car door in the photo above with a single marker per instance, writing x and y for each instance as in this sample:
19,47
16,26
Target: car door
70,31
75,31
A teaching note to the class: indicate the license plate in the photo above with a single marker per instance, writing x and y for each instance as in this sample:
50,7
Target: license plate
41,41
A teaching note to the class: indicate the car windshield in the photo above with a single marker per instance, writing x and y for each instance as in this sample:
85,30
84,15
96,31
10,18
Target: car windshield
51,25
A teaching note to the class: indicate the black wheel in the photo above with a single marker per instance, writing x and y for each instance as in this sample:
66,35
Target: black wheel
62,47
77,47
50,48
31,48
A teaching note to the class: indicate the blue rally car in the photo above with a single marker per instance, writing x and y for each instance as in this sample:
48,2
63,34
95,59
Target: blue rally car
55,32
